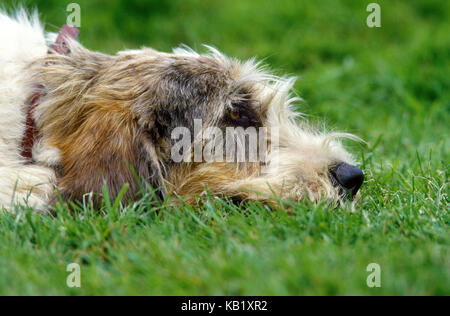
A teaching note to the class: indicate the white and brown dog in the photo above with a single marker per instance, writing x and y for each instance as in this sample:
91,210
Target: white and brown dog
72,121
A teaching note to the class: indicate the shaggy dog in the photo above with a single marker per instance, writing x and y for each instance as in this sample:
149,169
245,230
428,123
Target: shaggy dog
110,120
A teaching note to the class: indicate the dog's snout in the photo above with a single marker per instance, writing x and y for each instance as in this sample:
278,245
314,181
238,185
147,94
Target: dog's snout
348,176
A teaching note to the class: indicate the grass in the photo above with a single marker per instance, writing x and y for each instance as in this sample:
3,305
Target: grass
388,85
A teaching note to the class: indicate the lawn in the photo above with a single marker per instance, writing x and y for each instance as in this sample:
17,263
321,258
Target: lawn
388,85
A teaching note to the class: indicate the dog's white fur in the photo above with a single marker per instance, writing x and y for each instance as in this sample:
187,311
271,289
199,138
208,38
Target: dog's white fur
22,41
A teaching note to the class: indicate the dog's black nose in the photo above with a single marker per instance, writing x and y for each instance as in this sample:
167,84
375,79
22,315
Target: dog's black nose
347,176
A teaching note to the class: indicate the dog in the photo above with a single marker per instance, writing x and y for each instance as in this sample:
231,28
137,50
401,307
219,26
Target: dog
108,121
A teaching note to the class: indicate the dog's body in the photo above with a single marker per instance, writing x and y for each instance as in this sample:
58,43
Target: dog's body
22,42
100,118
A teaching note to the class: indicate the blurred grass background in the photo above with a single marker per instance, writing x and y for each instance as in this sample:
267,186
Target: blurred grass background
389,85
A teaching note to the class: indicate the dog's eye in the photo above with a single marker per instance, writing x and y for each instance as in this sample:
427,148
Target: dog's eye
234,114
242,117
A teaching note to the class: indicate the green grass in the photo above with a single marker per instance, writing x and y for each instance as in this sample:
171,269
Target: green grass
391,86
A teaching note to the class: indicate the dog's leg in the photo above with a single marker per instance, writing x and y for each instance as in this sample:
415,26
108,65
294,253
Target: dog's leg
28,185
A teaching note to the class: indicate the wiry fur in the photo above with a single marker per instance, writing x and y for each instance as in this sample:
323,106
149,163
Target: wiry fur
102,117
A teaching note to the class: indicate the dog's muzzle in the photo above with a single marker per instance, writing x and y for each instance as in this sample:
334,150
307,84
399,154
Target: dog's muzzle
349,178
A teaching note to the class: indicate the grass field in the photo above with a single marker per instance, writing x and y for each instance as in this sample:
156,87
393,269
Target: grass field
389,85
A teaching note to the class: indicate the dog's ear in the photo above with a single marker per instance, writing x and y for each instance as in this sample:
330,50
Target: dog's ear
99,153
91,120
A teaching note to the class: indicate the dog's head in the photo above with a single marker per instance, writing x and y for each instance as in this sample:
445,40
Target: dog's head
186,123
